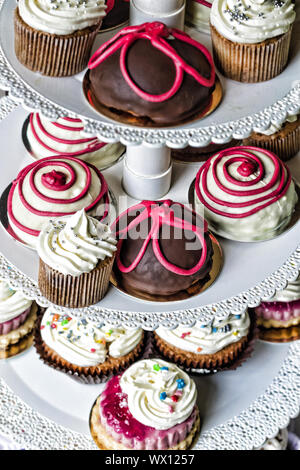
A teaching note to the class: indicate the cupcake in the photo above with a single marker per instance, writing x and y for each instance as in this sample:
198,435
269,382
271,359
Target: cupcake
200,154
198,13
279,442
117,13
66,136
152,406
55,38
247,194
251,38
205,346
76,257
163,78
85,350
54,187
163,248
283,140
17,319
279,319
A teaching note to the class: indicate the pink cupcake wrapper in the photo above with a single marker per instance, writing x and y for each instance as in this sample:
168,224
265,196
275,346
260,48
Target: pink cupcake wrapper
8,326
280,311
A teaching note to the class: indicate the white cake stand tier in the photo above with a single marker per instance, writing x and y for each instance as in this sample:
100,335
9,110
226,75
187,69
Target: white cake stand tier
252,272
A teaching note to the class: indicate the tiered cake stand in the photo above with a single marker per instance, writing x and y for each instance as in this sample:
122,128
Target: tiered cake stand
41,408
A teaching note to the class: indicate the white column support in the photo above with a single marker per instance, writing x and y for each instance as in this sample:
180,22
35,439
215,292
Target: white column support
170,12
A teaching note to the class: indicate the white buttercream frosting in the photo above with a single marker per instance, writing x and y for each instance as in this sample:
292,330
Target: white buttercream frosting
273,128
198,14
289,294
210,338
75,245
61,17
280,442
84,343
150,384
267,222
252,21
66,136
12,303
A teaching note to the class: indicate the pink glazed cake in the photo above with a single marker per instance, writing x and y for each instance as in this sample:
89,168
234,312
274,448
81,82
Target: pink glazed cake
151,406
279,319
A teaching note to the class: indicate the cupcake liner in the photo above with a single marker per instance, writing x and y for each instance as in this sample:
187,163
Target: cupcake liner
280,335
278,311
15,323
50,54
228,359
15,336
285,143
251,63
94,375
75,292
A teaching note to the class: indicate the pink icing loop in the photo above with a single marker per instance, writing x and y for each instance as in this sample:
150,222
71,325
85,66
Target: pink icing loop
110,4
93,144
54,180
247,169
156,33
271,192
204,2
62,161
160,214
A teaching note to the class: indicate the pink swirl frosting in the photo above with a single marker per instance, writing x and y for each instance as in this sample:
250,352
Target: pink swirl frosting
251,167
92,144
157,33
159,213
63,177
124,428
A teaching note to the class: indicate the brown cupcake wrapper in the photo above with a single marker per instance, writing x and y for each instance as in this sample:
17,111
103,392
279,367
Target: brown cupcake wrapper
229,358
75,292
86,375
50,54
285,147
251,63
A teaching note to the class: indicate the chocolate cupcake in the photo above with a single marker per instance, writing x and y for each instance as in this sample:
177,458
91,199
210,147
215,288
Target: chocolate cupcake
117,13
152,75
45,138
251,39
17,320
283,140
55,38
76,259
210,346
247,194
90,352
152,406
279,318
54,187
163,248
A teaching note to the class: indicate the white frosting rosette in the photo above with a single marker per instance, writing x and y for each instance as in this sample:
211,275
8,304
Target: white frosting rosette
84,343
12,303
252,21
208,339
160,395
66,136
76,244
273,128
290,294
61,17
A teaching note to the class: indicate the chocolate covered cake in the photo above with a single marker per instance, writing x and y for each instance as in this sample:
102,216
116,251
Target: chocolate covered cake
152,75
163,248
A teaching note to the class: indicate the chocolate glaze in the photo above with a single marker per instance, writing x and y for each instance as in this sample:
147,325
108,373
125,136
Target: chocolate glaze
154,73
150,276
118,15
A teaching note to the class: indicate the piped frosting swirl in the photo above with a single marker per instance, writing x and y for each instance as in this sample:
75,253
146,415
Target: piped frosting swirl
76,244
252,21
84,343
54,187
247,193
12,303
160,395
66,136
61,17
